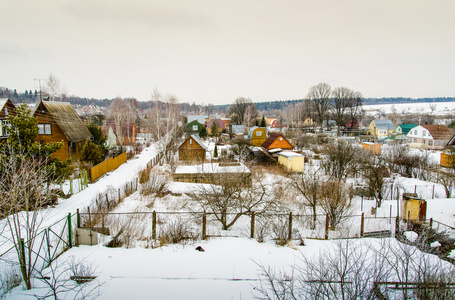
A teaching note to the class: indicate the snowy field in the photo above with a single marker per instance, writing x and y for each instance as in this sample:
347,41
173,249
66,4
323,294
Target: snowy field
440,108
227,269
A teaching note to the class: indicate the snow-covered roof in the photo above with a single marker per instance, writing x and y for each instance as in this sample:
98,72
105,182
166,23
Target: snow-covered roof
290,154
212,168
199,142
275,150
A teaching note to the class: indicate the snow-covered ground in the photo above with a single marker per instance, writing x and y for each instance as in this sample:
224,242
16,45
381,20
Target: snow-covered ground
227,269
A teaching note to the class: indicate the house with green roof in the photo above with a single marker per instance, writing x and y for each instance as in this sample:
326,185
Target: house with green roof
193,127
400,132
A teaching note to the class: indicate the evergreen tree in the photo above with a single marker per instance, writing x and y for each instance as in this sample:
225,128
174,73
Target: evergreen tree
203,132
99,139
215,152
215,129
91,153
263,122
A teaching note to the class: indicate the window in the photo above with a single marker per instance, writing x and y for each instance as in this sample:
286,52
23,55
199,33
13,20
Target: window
44,129
430,143
6,111
191,141
194,127
415,140
415,132
40,128
258,133
409,140
424,133
423,141
3,125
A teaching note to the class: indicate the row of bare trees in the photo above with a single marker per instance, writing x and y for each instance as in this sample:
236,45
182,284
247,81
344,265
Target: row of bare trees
357,269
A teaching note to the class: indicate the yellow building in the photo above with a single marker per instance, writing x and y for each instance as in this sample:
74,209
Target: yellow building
413,208
293,162
380,128
257,135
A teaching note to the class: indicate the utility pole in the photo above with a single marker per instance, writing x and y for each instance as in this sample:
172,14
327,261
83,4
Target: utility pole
40,93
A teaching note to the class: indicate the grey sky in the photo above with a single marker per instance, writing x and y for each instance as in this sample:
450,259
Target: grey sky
211,51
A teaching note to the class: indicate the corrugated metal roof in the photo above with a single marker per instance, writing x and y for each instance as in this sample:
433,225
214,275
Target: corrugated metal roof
384,124
252,129
405,128
67,119
199,142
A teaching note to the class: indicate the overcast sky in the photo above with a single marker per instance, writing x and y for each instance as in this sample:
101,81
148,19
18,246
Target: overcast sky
212,51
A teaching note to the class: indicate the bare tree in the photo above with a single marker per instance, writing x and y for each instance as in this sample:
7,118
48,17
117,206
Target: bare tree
336,201
116,113
340,160
229,198
318,99
237,111
54,89
375,171
309,187
23,194
346,106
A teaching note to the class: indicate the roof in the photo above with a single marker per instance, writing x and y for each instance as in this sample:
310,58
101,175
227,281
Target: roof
67,119
439,132
252,129
290,154
200,118
383,124
197,141
220,122
271,139
3,102
405,128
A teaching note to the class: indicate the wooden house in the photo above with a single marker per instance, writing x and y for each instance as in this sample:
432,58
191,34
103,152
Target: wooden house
7,108
432,137
192,149
257,136
277,141
59,122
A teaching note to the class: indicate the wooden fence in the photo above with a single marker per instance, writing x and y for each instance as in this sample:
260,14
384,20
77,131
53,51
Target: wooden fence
106,166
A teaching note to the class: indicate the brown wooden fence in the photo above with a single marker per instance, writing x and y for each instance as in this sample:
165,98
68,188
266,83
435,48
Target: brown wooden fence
106,166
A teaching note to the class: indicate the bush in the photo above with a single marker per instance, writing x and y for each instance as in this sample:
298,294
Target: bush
176,231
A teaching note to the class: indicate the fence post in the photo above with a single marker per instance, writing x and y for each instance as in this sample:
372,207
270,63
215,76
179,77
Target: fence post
204,225
431,222
397,225
362,224
71,186
252,225
119,195
415,189
70,233
154,225
327,227
78,219
290,227
433,193
89,217
22,258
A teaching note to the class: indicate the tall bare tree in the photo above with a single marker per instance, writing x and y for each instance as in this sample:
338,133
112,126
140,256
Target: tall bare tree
237,111
54,89
318,99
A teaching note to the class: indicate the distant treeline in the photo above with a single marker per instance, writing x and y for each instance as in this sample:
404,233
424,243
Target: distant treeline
34,96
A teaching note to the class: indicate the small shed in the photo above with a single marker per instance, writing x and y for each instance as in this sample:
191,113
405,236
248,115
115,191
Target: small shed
292,161
413,208
275,141
257,135
192,149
